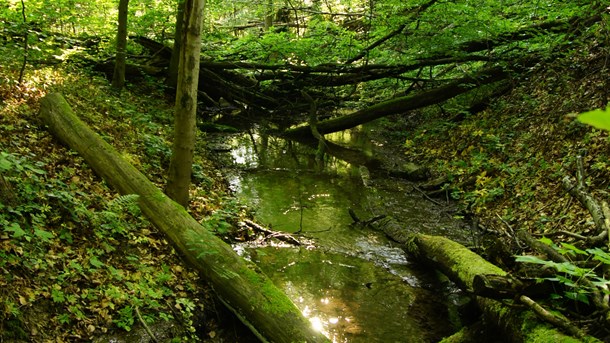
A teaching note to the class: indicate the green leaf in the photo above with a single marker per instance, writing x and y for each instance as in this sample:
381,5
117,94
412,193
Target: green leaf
578,296
531,259
570,269
5,164
94,261
64,318
572,248
565,281
42,234
600,255
599,119
16,230
547,241
602,284
35,170
57,295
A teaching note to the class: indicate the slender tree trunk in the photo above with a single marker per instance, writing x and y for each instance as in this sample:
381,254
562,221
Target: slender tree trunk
186,104
7,193
118,79
25,43
269,15
172,74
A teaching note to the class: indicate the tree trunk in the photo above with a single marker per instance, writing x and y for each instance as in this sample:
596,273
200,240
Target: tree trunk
172,73
118,79
402,104
8,196
462,266
185,127
238,283
25,44
269,15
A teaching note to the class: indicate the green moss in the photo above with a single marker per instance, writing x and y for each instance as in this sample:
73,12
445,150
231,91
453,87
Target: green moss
544,334
158,196
536,332
410,246
15,329
275,301
201,246
466,264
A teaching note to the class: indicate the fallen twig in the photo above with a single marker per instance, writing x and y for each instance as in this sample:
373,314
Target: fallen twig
284,237
549,317
427,196
148,331
592,206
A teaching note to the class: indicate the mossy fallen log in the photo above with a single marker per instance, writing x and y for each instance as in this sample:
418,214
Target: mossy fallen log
238,283
462,266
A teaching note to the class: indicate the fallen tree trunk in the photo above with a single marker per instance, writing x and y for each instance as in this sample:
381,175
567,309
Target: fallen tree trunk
462,266
402,104
239,284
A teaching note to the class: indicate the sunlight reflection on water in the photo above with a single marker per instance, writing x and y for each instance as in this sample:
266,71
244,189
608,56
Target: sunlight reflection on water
356,287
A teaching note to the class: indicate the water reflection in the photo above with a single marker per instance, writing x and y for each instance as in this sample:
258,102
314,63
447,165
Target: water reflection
356,286
346,298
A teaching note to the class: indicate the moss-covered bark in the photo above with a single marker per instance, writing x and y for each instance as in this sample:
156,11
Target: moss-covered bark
461,265
238,283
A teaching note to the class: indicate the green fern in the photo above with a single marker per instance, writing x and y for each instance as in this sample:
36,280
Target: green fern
127,202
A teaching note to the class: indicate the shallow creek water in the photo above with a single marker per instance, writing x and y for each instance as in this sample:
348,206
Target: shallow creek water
352,283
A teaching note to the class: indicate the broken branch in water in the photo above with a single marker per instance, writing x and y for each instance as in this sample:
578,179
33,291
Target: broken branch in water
364,223
282,236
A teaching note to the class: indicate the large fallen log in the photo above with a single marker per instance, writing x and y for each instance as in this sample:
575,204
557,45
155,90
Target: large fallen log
516,325
403,104
239,284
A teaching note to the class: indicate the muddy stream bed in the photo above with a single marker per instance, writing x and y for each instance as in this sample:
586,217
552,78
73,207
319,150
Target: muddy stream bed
351,282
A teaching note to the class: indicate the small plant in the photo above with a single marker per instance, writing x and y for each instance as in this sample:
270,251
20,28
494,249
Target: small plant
223,220
118,218
125,318
24,215
572,276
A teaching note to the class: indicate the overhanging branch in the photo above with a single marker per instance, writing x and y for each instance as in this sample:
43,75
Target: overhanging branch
404,104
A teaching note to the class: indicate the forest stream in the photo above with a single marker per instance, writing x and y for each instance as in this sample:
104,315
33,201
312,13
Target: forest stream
351,282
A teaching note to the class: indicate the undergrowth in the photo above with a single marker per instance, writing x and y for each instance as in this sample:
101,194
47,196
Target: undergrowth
505,165
76,260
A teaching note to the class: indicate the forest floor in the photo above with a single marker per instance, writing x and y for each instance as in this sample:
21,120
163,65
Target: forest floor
505,164
77,261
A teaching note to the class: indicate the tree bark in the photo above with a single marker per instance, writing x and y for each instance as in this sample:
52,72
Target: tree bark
402,104
269,15
462,266
118,79
26,47
238,283
172,73
185,126
8,196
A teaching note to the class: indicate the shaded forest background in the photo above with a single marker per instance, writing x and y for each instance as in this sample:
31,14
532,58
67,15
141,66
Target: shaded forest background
483,93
